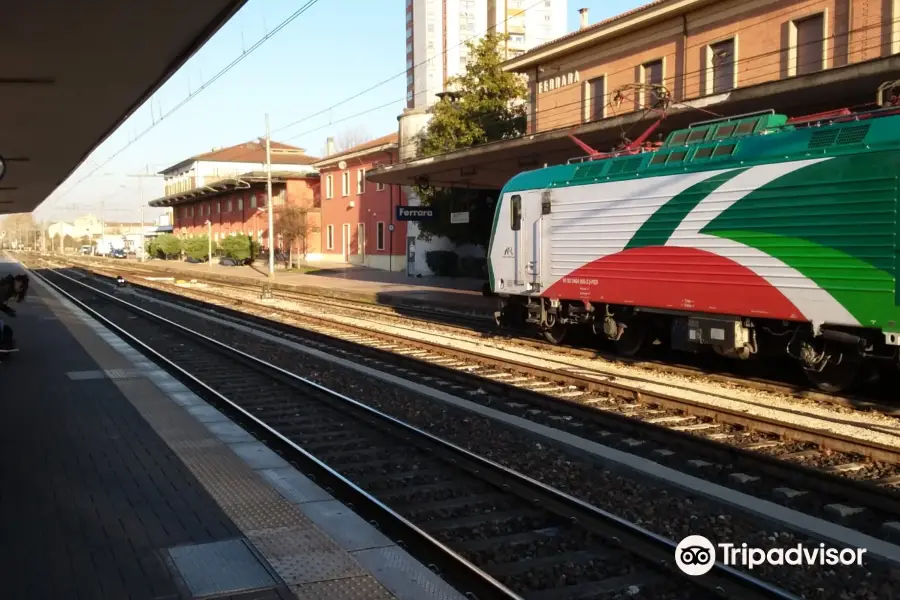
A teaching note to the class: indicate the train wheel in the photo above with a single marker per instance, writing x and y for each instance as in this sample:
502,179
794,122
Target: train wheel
632,340
556,334
835,378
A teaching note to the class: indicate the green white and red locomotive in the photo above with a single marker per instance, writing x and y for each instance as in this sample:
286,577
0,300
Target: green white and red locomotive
755,235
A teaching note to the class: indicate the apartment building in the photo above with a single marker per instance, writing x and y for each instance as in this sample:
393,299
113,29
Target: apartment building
437,30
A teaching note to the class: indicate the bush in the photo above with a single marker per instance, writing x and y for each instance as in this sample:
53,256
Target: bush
198,247
164,246
444,263
472,266
239,247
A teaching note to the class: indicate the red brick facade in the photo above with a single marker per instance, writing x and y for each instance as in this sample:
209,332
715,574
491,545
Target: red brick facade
243,212
357,215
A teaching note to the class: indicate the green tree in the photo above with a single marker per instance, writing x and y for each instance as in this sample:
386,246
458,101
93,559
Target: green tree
165,246
68,241
197,247
488,104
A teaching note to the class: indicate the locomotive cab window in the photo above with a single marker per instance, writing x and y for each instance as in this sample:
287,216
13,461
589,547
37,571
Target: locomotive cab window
515,212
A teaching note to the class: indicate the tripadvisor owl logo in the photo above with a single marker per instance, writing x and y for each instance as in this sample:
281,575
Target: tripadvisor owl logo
695,555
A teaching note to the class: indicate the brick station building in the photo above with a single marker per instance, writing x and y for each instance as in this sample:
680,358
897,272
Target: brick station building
358,215
713,57
227,187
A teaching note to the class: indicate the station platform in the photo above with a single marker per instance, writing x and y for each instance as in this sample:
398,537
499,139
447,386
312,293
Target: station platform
460,295
119,483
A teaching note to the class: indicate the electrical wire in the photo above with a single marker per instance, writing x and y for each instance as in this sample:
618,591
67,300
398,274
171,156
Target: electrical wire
309,4
578,105
370,89
779,15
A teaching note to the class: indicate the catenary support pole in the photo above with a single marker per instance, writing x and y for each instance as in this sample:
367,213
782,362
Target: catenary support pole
269,201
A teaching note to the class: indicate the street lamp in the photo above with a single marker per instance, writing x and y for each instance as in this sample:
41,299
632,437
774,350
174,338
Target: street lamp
209,240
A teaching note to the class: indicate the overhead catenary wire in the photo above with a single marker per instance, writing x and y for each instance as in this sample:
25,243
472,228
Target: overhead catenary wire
578,104
781,14
370,89
309,4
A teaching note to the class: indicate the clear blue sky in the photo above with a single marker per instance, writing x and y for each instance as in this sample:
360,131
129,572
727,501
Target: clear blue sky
310,65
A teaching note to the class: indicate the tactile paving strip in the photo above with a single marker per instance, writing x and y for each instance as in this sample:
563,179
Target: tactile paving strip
302,555
354,588
249,502
120,374
208,449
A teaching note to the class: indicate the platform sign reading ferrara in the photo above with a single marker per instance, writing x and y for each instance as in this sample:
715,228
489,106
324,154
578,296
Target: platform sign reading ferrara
416,213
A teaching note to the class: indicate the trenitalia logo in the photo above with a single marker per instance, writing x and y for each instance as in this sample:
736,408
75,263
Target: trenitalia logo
416,213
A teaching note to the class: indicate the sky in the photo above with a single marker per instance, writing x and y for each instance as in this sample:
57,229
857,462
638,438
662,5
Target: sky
305,77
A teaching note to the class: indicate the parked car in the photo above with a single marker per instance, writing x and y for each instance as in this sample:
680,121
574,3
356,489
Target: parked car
118,253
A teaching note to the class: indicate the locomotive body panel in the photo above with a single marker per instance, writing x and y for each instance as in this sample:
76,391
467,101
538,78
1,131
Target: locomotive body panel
813,240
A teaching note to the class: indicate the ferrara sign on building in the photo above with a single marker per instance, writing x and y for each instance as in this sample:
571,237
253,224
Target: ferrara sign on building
552,83
416,213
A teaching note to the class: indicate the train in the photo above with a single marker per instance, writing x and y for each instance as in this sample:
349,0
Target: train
754,236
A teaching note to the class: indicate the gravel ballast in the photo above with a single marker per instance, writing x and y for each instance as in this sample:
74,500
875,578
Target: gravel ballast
663,511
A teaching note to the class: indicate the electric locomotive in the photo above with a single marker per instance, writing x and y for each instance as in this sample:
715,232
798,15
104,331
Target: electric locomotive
755,235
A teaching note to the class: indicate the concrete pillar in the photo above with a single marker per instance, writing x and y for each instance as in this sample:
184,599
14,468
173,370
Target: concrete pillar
410,123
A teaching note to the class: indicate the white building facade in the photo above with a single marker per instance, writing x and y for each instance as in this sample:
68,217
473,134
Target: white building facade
224,163
437,32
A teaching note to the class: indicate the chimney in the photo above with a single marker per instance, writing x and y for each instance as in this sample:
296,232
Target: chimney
329,146
584,17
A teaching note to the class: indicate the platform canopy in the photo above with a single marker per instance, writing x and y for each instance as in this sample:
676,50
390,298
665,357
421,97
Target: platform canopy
72,72
490,166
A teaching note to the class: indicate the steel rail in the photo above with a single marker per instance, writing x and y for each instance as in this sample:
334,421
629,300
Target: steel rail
451,320
863,492
722,579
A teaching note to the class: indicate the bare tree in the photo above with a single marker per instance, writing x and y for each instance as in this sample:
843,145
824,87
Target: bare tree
20,228
294,228
353,136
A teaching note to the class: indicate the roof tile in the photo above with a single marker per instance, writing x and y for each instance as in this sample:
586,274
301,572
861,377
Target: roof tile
254,152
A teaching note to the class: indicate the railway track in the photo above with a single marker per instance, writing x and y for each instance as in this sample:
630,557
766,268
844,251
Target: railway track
780,379
848,481
492,532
